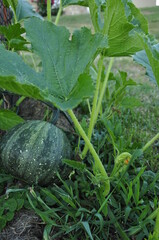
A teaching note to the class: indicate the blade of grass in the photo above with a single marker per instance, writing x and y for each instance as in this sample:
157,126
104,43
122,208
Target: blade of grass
117,225
88,230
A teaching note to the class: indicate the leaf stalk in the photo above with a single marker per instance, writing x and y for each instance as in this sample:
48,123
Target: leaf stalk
149,143
49,10
59,13
95,99
97,106
98,166
93,13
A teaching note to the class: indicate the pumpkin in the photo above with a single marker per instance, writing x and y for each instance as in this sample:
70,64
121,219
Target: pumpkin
33,152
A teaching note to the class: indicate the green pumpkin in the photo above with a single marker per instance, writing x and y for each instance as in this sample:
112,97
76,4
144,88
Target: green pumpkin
33,152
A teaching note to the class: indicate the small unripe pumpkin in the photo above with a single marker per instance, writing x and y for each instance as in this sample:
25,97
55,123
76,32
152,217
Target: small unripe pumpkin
33,152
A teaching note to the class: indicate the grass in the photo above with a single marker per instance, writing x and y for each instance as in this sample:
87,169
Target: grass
75,21
152,15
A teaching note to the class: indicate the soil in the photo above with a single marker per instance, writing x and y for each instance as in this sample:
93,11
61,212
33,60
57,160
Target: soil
32,109
26,225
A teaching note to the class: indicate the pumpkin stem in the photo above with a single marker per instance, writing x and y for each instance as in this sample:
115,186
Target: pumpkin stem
59,13
98,167
97,103
49,10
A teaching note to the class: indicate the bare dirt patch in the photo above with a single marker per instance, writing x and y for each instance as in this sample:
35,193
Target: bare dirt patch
26,225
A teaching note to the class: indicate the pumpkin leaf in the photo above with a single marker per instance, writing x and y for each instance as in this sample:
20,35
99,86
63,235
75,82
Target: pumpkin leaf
68,58
26,89
8,119
149,58
83,89
123,29
137,18
25,10
66,3
64,61
13,35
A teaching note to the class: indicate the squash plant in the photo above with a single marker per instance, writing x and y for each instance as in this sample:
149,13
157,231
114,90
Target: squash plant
65,80
15,42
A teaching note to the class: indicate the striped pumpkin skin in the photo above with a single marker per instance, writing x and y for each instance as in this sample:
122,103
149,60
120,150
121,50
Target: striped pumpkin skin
33,152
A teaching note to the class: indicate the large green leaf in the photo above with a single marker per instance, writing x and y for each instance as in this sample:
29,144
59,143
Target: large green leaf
25,88
8,119
137,18
149,58
123,27
123,22
11,64
83,89
64,59
66,3
24,10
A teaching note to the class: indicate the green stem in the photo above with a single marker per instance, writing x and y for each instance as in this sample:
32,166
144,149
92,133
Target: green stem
15,16
89,107
98,166
93,13
18,102
95,99
147,145
156,229
13,5
1,101
49,10
98,106
103,89
59,13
